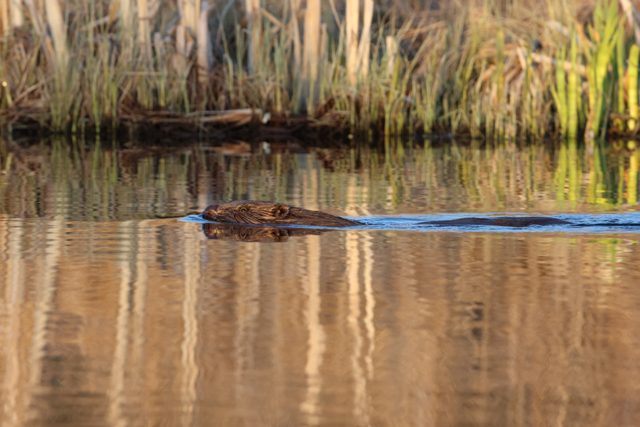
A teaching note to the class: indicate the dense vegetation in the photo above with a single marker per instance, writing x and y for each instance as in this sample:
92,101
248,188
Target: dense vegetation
494,67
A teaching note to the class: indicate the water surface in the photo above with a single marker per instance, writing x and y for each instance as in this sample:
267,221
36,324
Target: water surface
112,315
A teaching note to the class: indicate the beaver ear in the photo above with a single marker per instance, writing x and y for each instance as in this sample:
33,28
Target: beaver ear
280,210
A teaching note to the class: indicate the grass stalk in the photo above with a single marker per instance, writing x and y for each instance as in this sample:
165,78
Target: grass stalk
574,93
632,95
620,69
560,94
606,27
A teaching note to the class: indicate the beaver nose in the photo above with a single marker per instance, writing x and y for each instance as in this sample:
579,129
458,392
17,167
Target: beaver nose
210,213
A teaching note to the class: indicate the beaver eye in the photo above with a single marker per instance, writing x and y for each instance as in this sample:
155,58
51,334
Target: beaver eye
243,209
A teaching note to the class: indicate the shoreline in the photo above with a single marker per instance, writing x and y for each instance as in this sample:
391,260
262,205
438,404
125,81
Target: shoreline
251,124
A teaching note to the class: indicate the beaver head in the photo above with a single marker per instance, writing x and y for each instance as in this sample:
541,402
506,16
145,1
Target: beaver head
259,212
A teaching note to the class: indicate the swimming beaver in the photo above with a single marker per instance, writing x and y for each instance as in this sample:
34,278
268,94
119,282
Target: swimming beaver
270,213
259,212
251,233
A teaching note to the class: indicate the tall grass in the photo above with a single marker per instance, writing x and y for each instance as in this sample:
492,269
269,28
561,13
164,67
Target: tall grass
479,68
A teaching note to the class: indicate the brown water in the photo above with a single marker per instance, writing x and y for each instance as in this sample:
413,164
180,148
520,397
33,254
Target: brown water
109,316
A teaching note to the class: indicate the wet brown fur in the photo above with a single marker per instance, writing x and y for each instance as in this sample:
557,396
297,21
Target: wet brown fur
263,213
270,213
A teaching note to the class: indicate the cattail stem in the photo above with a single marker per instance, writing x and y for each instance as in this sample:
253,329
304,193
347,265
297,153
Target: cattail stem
16,13
58,32
365,39
254,29
143,30
4,16
311,40
352,19
125,17
295,37
205,56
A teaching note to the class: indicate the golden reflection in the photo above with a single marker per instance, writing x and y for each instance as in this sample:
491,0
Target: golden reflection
353,319
117,387
247,279
370,302
11,244
144,239
574,170
561,175
45,286
190,370
317,337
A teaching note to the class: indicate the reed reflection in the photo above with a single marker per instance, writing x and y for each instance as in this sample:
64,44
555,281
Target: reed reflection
188,347
11,240
360,319
316,346
408,178
117,391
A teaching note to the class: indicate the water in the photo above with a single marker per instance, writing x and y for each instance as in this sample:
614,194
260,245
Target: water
112,315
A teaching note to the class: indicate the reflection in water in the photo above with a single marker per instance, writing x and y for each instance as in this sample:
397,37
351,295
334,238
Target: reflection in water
108,316
252,233
134,184
360,409
247,311
42,362
632,196
190,371
117,391
14,294
317,336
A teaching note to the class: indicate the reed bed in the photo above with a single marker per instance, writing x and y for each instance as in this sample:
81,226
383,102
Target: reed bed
493,68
